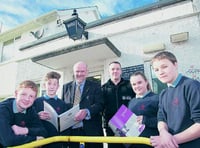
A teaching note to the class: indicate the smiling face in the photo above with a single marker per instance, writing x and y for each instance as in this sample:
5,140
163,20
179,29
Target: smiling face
25,98
115,72
139,84
165,70
80,72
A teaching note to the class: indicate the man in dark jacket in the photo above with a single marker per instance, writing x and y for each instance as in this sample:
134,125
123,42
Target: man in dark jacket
116,91
91,105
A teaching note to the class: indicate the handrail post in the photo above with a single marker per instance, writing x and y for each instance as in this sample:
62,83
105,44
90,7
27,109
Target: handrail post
82,145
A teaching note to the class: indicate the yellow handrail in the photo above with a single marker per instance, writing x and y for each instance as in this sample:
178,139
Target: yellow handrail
86,139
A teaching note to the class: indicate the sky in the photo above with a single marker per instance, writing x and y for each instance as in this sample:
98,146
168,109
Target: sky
17,12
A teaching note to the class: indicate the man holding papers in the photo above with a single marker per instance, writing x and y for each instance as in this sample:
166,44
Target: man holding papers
89,97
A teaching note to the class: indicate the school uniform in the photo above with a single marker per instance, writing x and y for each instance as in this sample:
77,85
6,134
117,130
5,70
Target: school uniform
10,116
146,106
60,107
179,107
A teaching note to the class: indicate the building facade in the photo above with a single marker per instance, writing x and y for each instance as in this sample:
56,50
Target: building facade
132,38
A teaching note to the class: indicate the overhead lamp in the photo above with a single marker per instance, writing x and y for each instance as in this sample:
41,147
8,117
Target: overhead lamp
75,27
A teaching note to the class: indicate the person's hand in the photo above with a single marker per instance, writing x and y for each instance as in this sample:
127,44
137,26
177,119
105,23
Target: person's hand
44,115
19,130
165,140
80,115
154,140
139,119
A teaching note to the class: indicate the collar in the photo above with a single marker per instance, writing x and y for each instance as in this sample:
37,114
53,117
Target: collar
120,82
81,85
143,95
47,97
175,83
15,108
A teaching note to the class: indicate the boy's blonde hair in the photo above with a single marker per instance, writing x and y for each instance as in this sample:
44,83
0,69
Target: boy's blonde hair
28,84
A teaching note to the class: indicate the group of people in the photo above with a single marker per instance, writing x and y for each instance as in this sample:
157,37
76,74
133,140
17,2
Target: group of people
171,118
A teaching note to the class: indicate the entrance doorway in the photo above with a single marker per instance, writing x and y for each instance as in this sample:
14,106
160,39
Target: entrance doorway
96,78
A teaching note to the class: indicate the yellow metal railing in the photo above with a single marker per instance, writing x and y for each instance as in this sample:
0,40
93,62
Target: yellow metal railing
86,139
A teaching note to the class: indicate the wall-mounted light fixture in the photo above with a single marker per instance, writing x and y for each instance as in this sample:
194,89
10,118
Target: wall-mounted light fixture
154,48
179,37
75,27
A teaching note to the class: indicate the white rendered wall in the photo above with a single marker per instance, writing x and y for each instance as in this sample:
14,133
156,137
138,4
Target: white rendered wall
130,36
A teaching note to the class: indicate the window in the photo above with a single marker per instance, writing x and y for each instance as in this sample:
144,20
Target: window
1,53
7,52
9,49
40,92
96,78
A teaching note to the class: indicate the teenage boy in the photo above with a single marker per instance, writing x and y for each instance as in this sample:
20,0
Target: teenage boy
179,106
51,85
19,123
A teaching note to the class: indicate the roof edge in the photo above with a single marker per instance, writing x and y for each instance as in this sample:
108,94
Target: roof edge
78,47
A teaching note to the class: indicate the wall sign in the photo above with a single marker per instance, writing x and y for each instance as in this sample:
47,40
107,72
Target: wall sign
127,71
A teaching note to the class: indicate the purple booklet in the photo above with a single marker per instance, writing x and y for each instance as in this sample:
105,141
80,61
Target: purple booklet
124,123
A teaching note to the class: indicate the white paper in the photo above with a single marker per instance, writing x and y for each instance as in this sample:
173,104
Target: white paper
67,118
54,116
64,120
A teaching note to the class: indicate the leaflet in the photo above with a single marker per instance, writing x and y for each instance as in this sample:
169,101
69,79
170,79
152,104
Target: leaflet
64,120
124,123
